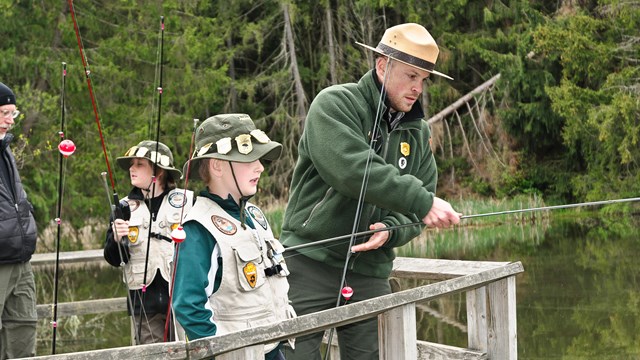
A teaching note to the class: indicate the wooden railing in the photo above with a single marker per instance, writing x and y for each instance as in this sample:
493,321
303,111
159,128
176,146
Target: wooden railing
490,290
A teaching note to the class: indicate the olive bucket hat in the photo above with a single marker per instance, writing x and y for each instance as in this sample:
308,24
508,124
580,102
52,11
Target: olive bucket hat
231,137
411,44
146,149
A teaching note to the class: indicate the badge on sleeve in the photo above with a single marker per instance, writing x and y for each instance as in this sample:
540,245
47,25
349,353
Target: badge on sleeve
251,274
405,148
258,216
225,226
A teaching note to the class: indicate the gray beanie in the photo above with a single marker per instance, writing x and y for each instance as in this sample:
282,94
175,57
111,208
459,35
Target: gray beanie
6,95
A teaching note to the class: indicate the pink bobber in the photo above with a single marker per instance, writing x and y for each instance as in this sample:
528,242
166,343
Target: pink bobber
178,234
66,147
347,292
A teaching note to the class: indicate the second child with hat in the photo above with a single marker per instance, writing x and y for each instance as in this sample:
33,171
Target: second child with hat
230,274
144,240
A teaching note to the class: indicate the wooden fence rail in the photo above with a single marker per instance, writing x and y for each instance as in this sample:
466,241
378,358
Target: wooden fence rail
491,317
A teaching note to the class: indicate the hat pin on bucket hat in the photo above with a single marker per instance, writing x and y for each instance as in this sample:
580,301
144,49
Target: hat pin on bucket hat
146,149
231,137
411,44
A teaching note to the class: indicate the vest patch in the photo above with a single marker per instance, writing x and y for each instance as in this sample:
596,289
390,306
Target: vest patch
258,216
133,234
250,273
225,226
177,199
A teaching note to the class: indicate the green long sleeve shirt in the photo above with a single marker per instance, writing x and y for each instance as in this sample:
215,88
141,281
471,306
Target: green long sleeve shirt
329,173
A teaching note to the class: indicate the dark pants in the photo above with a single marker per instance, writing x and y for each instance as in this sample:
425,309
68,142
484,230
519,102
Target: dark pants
152,330
315,286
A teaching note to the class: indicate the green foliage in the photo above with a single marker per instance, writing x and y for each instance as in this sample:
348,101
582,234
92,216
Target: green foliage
567,98
597,97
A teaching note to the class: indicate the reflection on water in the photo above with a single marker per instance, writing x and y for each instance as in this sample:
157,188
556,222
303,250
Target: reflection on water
85,332
577,299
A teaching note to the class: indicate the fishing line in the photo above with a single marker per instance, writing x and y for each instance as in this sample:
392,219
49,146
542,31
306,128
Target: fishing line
115,207
155,160
363,189
66,148
463,217
178,235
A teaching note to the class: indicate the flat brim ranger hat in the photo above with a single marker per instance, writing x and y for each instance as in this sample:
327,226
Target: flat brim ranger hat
230,137
146,149
411,44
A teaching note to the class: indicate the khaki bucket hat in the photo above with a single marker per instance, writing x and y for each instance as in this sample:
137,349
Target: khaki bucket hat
231,137
410,44
146,149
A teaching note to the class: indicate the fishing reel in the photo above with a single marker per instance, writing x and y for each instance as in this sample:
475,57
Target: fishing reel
122,210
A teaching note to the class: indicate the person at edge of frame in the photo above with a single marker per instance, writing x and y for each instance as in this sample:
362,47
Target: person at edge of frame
18,237
334,153
134,235
231,274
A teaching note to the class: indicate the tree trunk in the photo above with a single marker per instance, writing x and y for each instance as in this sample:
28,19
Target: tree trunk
301,101
330,45
232,103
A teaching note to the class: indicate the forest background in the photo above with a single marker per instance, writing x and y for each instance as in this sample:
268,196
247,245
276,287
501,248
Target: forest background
562,122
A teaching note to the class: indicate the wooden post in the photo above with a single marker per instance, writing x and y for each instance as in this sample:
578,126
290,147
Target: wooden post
477,319
502,336
333,348
397,333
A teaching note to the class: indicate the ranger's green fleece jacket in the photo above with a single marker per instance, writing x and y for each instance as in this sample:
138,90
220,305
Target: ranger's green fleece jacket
329,173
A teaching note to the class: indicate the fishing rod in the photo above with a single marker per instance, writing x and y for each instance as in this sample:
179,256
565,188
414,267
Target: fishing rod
345,290
65,148
87,73
120,211
463,217
116,208
154,177
178,235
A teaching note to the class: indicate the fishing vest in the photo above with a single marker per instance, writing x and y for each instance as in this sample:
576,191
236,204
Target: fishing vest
253,290
161,248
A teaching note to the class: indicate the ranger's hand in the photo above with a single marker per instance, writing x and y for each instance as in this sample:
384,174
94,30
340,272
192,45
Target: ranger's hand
375,241
441,215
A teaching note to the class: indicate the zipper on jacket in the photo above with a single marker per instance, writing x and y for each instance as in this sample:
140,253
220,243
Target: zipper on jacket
326,195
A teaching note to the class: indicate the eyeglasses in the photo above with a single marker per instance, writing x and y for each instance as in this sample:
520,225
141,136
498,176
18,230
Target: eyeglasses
8,113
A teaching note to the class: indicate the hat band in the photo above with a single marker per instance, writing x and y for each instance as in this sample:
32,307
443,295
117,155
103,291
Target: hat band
224,145
151,155
404,57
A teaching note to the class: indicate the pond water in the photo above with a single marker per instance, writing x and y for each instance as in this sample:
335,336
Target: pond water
577,299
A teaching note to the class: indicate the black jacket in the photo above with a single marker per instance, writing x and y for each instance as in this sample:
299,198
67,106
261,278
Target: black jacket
18,232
